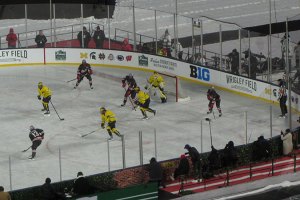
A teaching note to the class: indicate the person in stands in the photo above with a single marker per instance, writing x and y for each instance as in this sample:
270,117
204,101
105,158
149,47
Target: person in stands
11,39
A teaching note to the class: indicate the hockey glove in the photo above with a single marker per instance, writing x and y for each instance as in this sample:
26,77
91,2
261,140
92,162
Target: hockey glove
78,76
124,85
39,97
146,87
90,71
102,125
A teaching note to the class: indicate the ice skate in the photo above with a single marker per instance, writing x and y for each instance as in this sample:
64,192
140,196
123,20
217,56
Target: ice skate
43,109
154,112
123,104
47,112
30,158
110,138
145,118
209,112
220,114
92,87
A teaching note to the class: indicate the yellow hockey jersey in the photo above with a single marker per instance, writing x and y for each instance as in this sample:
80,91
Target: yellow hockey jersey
155,80
142,96
108,116
44,92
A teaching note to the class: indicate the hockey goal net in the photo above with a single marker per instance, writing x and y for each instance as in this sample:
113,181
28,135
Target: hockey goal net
173,87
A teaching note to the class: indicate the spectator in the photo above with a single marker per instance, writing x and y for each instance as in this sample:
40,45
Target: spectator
183,167
145,48
81,186
155,171
40,40
214,161
260,149
287,140
234,59
178,48
229,155
252,68
297,76
195,157
11,39
126,46
99,37
86,37
48,192
166,41
4,195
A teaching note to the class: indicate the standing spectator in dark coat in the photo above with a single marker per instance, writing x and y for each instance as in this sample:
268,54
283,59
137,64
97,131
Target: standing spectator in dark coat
195,157
99,37
214,159
11,39
234,58
155,171
260,149
253,64
86,38
48,192
81,186
230,155
40,39
183,167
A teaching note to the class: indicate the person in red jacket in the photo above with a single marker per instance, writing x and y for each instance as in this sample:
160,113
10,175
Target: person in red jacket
11,39
126,46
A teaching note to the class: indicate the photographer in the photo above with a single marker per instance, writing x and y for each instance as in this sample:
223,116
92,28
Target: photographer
234,59
287,140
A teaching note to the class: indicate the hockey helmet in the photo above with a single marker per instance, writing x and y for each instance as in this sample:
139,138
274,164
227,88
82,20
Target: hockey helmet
155,72
31,128
187,146
102,110
137,89
40,85
83,61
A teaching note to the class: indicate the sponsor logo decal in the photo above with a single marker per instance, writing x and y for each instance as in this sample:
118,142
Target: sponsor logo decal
120,58
241,83
128,58
110,57
83,55
199,73
143,61
165,64
60,55
93,55
13,55
101,56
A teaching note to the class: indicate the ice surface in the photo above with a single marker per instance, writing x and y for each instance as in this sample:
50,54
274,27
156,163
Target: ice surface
176,124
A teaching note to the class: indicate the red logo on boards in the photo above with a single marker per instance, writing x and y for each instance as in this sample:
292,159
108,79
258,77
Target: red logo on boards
128,58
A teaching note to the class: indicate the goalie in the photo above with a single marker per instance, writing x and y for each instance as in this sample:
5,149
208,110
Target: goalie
213,97
109,117
157,82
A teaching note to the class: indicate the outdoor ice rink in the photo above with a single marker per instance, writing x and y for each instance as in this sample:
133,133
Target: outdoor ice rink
176,124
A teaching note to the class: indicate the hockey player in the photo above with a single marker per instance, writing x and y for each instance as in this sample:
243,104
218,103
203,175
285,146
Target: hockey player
84,70
36,136
109,117
143,100
45,92
156,82
213,97
131,84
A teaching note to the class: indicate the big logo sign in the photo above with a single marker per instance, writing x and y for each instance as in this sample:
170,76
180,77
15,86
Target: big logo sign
200,73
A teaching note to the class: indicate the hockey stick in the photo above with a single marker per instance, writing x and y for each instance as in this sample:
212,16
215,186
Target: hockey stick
56,111
133,107
213,114
209,120
88,133
71,80
26,149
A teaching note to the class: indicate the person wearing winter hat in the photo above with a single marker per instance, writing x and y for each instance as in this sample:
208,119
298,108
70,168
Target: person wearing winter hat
11,39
